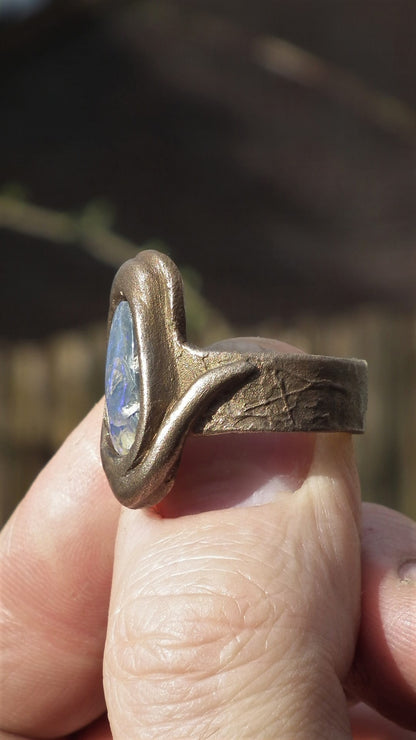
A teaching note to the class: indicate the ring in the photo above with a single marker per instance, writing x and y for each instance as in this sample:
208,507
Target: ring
159,388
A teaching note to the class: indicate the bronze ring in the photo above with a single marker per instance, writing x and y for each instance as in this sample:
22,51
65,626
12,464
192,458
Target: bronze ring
176,388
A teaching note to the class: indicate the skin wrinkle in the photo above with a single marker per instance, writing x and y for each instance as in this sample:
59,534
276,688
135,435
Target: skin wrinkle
287,693
236,621
205,572
252,690
169,548
176,553
338,629
194,660
163,708
158,651
198,721
332,548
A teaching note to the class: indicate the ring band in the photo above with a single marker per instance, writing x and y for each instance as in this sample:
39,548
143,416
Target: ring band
159,388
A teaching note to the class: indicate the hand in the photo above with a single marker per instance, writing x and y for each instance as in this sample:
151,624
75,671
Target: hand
235,604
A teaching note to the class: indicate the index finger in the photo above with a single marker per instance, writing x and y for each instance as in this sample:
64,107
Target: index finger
57,554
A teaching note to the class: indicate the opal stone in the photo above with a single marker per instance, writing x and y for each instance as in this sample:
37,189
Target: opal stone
122,380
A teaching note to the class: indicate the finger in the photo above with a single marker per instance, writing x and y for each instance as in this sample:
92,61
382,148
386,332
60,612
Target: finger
366,724
99,730
240,616
384,672
57,552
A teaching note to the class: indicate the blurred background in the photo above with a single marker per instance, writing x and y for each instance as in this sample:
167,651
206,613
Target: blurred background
268,147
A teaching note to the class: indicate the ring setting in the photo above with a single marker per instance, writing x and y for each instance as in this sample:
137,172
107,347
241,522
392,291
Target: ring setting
159,388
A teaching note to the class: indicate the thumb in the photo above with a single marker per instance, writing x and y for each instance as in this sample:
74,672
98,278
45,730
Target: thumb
239,620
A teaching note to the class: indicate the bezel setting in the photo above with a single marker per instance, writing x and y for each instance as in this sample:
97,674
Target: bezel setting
184,389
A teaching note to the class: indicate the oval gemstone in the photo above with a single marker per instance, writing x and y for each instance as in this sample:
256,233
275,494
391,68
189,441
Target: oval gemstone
122,380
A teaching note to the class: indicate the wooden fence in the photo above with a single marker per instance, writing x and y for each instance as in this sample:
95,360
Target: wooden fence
46,388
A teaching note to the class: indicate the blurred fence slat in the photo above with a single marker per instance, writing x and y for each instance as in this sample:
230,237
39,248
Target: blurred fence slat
46,389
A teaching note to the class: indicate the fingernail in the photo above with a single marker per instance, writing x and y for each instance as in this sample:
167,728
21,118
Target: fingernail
283,461
231,470
407,571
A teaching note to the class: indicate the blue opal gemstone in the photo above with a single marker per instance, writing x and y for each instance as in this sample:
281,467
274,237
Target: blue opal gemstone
122,380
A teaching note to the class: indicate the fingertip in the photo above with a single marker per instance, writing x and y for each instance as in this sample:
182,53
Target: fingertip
384,673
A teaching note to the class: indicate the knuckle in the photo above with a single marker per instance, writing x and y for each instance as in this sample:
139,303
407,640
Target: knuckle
172,653
198,633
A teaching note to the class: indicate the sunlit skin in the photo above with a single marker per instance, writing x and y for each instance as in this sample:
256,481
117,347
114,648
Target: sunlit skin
250,603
